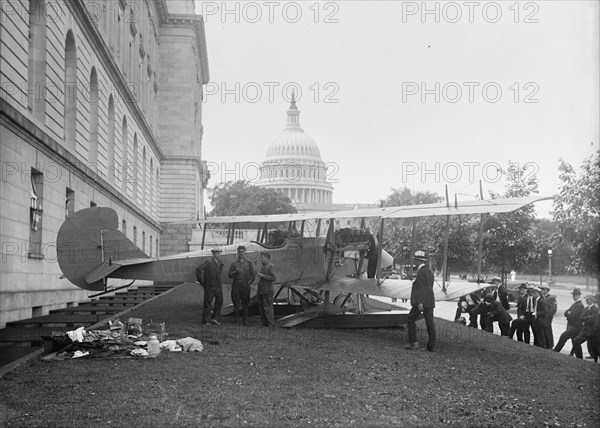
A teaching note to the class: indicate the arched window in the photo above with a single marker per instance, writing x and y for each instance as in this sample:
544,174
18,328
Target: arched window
157,197
124,156
111,140
70,92
143,179
133,171
151,187
93,139
36,79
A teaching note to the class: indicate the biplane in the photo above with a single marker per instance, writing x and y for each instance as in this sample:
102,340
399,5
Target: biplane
314,265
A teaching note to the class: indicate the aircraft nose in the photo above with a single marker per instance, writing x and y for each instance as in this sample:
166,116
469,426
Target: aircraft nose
386,259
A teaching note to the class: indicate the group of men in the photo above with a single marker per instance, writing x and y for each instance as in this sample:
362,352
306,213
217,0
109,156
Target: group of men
243,275
536,309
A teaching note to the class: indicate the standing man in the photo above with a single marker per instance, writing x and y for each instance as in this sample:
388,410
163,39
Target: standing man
538,325
421,300
574,323
519,325
502,292
551,300
265,290
588,318
242,272
209,277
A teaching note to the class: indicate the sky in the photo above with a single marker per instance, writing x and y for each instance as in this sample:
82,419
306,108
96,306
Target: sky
402,93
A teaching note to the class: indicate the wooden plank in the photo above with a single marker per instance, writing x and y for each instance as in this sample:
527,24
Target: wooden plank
16,334
92,309
56,319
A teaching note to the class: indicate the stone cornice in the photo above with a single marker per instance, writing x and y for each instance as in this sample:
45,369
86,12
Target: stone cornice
87,26
30,132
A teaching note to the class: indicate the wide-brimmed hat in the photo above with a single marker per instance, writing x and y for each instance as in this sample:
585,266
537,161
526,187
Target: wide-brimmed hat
216,251
420,255
530,286
544,286
576,291
523,286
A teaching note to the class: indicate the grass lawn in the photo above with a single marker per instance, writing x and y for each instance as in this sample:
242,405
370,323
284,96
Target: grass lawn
255,376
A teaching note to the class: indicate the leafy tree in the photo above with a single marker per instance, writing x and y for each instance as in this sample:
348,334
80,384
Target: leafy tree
241,198
508,240
576,211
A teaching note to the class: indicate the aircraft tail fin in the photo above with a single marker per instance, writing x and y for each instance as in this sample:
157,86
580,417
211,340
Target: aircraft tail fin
87,244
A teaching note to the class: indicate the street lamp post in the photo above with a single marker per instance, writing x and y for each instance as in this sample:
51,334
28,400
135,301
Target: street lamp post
550,281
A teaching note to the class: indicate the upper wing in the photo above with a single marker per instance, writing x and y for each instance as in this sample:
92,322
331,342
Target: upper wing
393,288
479,206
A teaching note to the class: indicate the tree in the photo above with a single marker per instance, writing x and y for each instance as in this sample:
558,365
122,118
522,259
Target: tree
509,242
398,233
576,210
241,198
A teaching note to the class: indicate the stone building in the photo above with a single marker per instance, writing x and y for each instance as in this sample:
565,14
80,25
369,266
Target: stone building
100,104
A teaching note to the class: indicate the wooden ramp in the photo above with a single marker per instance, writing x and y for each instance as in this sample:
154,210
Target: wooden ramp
24,337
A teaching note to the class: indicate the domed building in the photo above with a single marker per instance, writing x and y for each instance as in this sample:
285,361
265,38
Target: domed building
293,165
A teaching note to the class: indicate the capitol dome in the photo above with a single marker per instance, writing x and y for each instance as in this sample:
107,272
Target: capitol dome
293,164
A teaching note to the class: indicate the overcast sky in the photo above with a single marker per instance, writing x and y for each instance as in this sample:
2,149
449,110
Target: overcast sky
395,94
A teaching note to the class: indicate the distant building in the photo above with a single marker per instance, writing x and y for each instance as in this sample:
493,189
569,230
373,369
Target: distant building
293,166
100,104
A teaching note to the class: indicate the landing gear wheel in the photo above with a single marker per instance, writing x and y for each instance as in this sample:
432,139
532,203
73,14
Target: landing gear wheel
349,303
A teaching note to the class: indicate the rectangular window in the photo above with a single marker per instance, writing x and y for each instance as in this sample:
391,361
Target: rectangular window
135,235
156,247
35,214
37,311
150,242
144,241
69,203
124,227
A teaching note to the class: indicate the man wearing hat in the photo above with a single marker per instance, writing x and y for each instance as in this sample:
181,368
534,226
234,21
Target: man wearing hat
588,331
574,324
502,292
538,324
242,272
209,277
519,324
551,300
422,300
496,312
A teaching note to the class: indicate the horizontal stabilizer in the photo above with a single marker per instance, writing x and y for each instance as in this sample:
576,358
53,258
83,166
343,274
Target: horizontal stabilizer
101,272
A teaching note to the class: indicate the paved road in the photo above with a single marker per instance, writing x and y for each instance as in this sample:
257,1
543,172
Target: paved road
447,311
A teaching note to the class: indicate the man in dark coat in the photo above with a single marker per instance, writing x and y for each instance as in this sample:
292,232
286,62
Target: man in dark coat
496,312
422,300
574,324
265,290
209,277
588,333
466,304
551,300
538,324
520,325
242,272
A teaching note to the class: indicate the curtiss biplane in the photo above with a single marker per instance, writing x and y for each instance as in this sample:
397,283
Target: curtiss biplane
91,249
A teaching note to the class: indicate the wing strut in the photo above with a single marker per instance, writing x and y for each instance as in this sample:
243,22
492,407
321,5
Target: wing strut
480,237
446,236
380,252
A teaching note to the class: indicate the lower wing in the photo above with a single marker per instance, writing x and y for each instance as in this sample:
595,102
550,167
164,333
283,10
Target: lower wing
392,288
